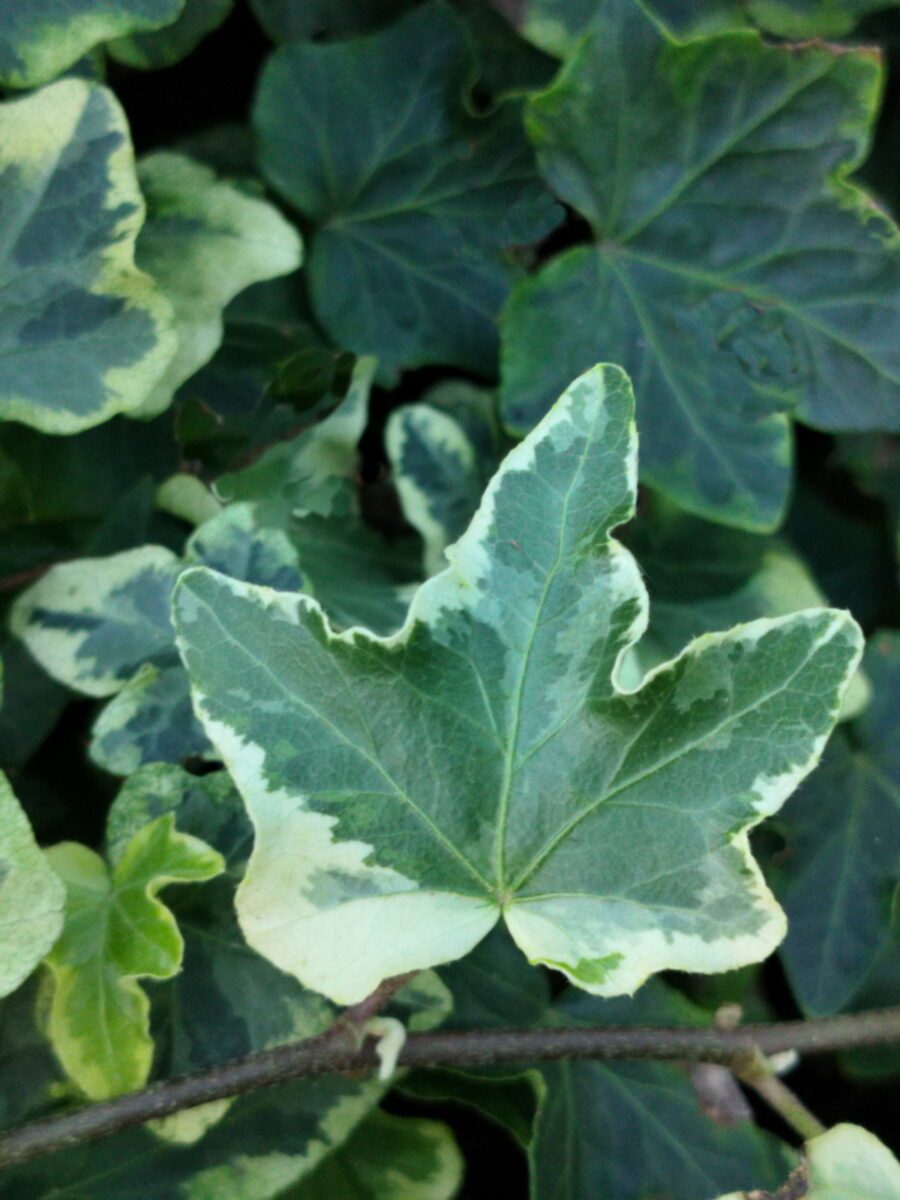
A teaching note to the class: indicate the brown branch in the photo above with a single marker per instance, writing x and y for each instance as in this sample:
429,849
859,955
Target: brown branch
333,1052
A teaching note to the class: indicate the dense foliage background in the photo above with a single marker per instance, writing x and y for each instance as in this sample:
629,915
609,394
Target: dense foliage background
487,200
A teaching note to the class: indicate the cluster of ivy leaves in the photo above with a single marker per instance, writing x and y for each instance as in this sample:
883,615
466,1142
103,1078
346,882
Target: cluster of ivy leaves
343,589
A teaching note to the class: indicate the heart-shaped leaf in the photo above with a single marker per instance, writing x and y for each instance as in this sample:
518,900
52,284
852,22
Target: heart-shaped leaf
407,791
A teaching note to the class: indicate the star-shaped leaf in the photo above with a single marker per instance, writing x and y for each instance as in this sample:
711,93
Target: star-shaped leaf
84,334
736,273
407,791
412,199
116,931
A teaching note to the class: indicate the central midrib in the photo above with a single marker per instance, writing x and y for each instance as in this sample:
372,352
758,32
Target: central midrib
509,766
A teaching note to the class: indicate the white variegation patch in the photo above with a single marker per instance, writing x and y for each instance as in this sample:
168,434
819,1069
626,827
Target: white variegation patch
293,847
203,242
446,441
58,615
327,908
38,134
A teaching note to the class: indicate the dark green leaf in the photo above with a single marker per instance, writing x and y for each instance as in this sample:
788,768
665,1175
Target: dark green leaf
412,200
735,267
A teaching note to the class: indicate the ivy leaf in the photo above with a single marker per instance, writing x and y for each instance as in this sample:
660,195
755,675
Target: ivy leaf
169,45
371,860
845,1161
42,38
83,333
93,622
203,242
31,896
116,932
839,873
388,1158
735,281
412,198
701,577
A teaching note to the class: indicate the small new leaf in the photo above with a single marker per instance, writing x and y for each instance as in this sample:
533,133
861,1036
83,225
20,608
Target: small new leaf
407,791
117,932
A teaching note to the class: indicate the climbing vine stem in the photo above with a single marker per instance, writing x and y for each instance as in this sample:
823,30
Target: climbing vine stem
343,1048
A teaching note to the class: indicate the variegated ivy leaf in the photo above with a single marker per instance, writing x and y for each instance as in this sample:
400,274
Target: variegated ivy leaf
42,38
31,896
388,1158
309,473
84,334
735,269
443,450
163,47
116,932
102,626
846,1163
608,828
412,198
557,25
203,242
